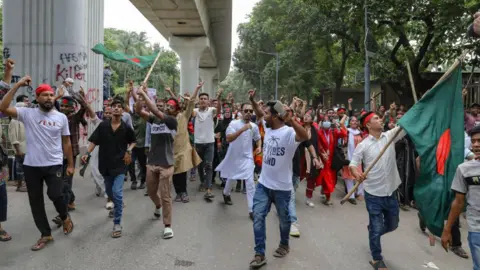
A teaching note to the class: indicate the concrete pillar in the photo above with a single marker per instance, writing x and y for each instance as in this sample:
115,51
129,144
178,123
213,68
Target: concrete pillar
50,43
207,75
189,51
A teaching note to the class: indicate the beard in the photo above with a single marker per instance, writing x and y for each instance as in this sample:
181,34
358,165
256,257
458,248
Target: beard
267,124
47,106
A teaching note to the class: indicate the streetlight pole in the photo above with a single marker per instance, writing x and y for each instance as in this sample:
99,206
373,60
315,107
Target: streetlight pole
259,75
367,64
277,58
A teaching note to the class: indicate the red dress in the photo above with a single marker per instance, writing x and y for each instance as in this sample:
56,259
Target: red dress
328,140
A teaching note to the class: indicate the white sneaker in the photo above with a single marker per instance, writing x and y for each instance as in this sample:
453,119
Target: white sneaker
294,231
309,203
167,233
109,205
157,213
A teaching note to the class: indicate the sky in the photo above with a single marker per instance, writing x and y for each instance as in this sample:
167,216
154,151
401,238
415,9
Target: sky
122,14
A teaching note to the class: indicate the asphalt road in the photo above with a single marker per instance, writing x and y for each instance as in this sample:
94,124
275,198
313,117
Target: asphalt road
212,236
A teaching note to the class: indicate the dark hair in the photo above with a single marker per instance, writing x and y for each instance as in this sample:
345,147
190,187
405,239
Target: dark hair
21,97
271,105
474,130
116,101
245,103
203,94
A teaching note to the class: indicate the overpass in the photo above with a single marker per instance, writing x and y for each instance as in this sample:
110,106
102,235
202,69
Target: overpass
200,32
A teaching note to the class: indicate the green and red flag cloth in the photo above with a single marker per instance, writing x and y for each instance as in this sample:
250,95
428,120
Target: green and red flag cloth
139,61
436,126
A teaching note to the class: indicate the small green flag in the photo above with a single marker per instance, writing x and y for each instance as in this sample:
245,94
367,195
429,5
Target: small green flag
436,126
139,61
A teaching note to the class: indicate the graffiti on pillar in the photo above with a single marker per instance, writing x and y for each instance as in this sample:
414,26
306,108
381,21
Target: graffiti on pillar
72,65
92,95
6,53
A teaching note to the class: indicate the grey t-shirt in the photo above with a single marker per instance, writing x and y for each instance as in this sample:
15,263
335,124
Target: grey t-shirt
467,181
162,136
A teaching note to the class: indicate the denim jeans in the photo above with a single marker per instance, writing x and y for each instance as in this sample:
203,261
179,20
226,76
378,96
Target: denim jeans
383,213
19,174
114,189
262,201
68,194
291,206
205,169
474,243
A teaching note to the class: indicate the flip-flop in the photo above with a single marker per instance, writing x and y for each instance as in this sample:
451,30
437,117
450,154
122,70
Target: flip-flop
117,231
378,265
42,243
68,226
258,262
281,252
4,236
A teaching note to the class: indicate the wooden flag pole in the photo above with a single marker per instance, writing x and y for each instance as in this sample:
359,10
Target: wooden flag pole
458,61
151,69
414,92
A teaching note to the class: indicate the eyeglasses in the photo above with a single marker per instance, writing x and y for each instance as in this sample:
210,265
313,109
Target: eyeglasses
248,111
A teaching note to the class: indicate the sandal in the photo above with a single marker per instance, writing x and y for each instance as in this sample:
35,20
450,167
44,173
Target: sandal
281,251
4,236
68,226
378,265
117,231
42,243
258,262
460,252
58,221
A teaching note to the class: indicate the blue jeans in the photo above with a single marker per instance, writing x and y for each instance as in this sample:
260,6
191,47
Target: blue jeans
383,213
262,201
291,205
205,169
114,189
474,243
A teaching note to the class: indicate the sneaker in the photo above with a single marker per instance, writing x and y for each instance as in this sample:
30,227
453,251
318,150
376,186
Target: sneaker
227,199
167,233
309,203
209,195
109,205
134,186
142,185
352,201
111,214
157,213
185,198
294,231
178,198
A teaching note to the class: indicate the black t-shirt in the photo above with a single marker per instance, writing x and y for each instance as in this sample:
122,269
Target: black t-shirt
162,134
298,155
112,147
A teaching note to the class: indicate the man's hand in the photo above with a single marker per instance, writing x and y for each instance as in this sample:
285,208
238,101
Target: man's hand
325,156
251,95
25,81
200,85
20,154
446,239
288,118
476,23
9,65
316,163
464,92
258,150
229,96
246,127
127,158
361,177
350,100
219,93
393,106
70,170
84,159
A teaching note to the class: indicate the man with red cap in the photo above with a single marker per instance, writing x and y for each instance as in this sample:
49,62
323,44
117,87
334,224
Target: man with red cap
381,182
48,140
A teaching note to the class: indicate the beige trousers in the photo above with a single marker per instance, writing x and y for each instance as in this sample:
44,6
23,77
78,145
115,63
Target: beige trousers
159,185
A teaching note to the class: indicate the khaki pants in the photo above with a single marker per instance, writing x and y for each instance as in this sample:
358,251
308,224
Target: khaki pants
159,185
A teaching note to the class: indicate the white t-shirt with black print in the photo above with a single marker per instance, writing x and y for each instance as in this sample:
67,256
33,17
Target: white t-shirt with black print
279,147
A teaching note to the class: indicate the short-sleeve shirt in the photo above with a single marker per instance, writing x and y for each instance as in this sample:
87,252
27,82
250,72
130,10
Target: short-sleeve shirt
140,128
162,135
279,147
467,181
204,125
43,131
112,147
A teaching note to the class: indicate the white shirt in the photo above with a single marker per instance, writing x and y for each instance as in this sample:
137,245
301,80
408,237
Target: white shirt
383,179
279,147
238,162
44,131
204,125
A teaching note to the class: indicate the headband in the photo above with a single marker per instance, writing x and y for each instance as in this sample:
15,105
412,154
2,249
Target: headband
43,88
68,102
341,110
367,119
174,103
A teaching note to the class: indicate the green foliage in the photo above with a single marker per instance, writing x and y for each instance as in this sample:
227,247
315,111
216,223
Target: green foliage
236,84
165,72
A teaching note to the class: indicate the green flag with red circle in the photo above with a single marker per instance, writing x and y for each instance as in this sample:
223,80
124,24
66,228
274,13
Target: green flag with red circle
139,61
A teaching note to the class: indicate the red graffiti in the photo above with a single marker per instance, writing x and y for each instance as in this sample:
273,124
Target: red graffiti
92,95
76,72
83,135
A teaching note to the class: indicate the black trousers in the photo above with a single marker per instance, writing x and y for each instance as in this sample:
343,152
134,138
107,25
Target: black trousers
3,202
68,195
138,153
52,176
180,182
456,236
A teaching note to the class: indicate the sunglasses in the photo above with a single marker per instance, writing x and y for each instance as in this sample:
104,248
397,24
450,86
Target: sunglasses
248,111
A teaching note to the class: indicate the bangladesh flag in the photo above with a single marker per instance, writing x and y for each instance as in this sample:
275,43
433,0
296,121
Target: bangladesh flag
139,61
435,124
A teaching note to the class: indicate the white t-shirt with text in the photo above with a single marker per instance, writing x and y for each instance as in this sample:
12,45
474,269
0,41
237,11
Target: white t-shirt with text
204,125
44,131
279,147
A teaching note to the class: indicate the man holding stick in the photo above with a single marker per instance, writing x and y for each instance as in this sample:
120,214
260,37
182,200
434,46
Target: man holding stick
381,182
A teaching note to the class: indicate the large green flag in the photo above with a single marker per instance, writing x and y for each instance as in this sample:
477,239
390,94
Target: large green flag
139,61
436,126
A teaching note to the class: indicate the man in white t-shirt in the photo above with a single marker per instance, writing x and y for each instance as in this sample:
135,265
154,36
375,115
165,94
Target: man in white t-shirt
48,140
205,140
275,183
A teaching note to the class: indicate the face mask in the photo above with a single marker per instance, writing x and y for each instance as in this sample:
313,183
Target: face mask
326,124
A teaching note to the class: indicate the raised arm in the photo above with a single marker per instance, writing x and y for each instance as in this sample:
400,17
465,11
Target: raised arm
7,99
139,108
219,102
258,111
300,133
170,92
191,101
155,111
